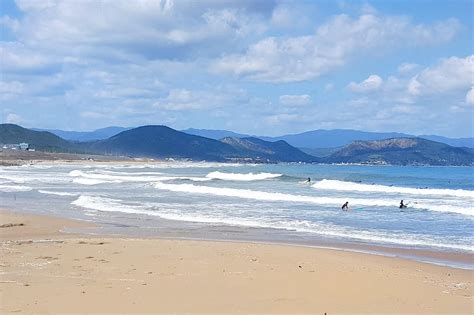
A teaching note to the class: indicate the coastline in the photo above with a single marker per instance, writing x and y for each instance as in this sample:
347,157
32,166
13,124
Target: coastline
100,273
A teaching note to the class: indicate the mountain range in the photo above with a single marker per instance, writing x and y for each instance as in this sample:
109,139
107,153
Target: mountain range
327,140
334,138
164,142
402,151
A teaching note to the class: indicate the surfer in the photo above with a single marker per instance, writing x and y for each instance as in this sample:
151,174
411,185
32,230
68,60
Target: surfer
345,206
308,180
402,205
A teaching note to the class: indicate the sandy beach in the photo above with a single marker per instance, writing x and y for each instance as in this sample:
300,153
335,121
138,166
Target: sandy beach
44,270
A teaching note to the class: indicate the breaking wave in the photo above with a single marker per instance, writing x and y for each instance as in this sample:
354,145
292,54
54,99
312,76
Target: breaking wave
57,193
91,181
107,204
330,201
328,184
95,203
241,177
14,188
119,177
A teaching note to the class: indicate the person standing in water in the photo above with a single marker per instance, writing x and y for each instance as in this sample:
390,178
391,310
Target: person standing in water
345,206
402,205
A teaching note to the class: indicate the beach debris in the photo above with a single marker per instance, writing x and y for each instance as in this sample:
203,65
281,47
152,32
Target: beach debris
47,257
91,243
299,266
7,225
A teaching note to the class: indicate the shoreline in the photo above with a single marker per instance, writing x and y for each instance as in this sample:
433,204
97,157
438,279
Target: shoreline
98,273
457,259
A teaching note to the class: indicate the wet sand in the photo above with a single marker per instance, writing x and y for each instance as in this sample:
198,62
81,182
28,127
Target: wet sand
43,270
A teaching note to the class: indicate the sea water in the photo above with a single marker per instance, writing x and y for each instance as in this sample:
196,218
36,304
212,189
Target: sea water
266,202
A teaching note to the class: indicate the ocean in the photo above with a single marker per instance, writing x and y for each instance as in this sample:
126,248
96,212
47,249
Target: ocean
261,203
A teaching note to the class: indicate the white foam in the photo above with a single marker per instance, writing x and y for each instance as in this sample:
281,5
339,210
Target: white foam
129,173
104,204
324,229
130,177
241,177
90,181
14,188
14,179
330,201
57,193
328,184
108,205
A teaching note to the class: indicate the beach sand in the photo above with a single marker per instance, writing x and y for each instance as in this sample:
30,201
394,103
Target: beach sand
43,270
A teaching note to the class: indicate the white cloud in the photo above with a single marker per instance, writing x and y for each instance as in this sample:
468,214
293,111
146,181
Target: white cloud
291,59
448,75
292,15
161,29
20,58
371,84
470,96
13,119
9,22
295,100
414,86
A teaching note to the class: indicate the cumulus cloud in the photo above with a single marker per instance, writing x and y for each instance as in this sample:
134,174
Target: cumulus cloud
295,100
371,84
448,75
300,58
13,119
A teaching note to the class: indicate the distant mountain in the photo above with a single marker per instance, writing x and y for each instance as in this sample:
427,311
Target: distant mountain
99,134
164,142
402,151
40,140
329,139
332,138
460,142
161,142
272,151
214,134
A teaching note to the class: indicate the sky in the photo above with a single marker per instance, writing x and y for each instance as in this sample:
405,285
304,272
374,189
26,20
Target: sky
258,67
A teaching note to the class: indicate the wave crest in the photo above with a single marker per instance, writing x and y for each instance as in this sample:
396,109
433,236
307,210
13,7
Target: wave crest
328,184
241,176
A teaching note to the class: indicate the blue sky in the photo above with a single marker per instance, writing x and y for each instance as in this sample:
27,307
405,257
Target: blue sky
258,67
